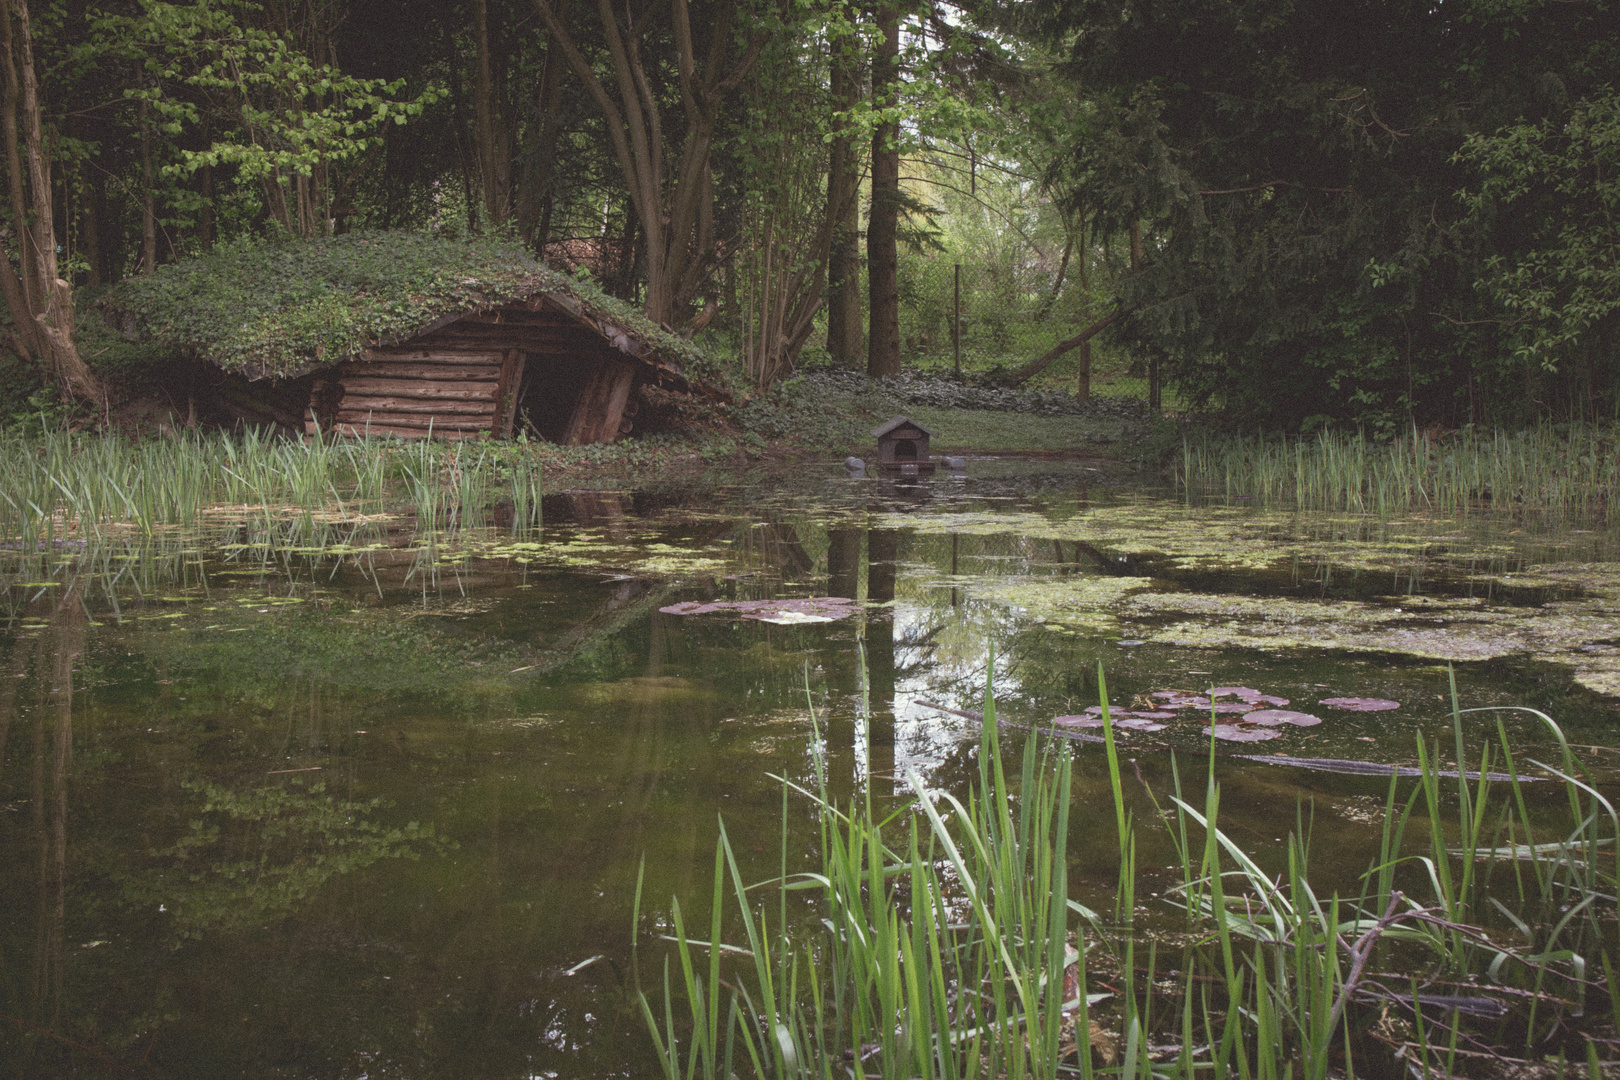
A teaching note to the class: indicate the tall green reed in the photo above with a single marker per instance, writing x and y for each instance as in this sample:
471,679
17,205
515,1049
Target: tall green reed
944,945
1565,470
70,487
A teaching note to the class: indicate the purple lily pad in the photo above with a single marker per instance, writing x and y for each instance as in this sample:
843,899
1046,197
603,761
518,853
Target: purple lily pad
1083,720
804,609
1361,704
1153,714
1234,691
1267,699
1138,723
1236,733
1231,707
1273,717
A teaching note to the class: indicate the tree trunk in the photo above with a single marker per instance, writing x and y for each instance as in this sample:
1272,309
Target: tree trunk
494,163
1035,367
41,302
90,229
845,333
459,119
674,207
535,196
148,199
882,227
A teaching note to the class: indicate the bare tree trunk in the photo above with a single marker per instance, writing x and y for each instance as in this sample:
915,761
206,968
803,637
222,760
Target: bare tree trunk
457,112
41,302
844,329
494,160
1035,367
675,208
535,197
148,200
882,226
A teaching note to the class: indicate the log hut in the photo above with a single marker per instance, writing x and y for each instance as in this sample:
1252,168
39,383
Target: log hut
406,335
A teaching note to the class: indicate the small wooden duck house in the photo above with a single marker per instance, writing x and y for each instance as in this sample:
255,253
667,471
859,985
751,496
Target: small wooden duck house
903,446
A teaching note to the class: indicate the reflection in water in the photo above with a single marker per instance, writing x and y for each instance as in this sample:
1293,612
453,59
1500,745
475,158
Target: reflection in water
238,739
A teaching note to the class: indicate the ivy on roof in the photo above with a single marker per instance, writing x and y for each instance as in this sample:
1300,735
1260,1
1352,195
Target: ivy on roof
278,310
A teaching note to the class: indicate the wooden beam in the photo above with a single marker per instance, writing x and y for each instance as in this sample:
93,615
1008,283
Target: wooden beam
506,397
413,420
440,372
360,403
465,391
361,430
601,405
438,354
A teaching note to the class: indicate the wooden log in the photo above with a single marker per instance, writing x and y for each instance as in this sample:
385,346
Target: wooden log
362,430
436,354
360,403
601,405
580,344
506,397
519,317
466,391
414,420
438,372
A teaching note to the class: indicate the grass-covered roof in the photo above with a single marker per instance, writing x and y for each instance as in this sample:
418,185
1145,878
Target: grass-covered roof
279,310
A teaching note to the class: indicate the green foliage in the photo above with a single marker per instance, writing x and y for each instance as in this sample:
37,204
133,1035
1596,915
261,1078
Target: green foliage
1295,171
282,309
1550,193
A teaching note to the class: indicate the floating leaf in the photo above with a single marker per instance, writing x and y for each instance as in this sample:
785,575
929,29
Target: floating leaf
1083,720
1234,691
782,612
1235,733
1267,699
1273,717
1153,714
1138,723
1231,707
1361,704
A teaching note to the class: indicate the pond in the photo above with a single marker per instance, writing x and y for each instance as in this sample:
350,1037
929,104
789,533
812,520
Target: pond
357,805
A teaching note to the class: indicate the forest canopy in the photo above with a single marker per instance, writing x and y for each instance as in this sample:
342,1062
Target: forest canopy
1304,212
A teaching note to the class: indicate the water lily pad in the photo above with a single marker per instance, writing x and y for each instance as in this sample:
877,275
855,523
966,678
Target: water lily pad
1138,723
1232,707
1267,699
1234,691
1239,733
1361,704
782,612
1273,717
1081,720
1153,714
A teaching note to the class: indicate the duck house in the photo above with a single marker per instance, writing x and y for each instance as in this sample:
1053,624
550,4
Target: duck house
903,446
404,334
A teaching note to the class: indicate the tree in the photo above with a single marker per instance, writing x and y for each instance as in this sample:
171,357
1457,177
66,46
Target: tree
291,125
41,302
883,221
675,210
1548,196
1293,167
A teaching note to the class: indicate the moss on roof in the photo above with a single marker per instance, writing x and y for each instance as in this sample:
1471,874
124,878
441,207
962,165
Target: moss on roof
279,310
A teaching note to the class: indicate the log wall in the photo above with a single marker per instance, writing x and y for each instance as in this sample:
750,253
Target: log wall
468,378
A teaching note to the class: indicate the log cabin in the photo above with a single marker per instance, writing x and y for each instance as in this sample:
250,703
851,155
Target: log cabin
406,335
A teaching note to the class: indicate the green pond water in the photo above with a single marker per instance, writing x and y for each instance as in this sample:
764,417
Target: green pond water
336,804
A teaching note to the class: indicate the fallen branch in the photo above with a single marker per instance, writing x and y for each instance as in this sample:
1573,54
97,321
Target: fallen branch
1019,376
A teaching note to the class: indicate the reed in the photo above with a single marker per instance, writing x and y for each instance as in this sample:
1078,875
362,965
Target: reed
1568,470
945,945
64,487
